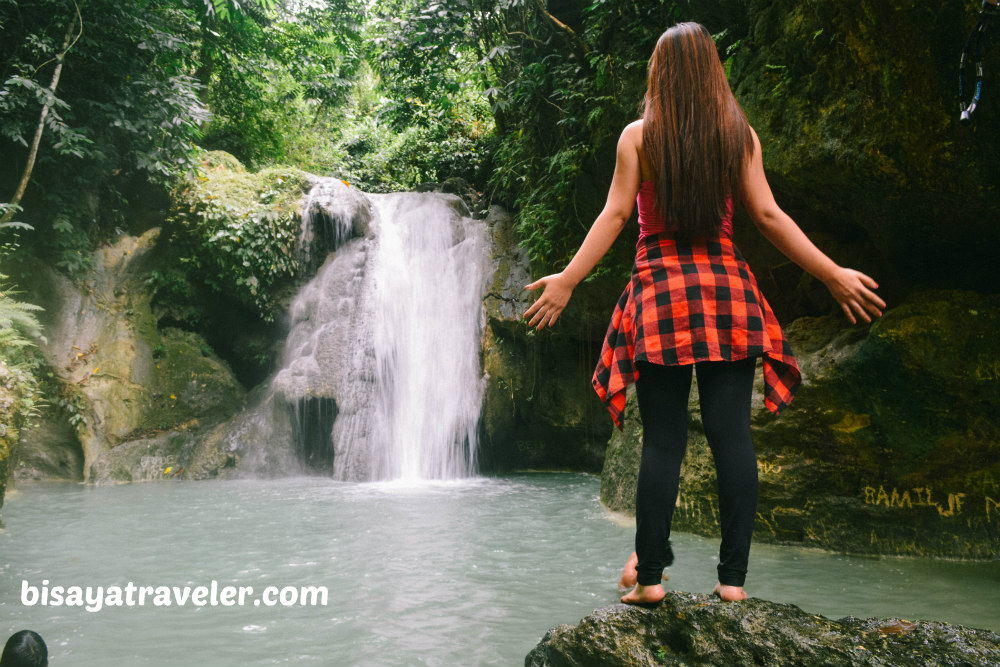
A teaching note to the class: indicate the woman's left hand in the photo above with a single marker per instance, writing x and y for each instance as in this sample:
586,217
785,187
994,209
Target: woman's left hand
555,295
855,292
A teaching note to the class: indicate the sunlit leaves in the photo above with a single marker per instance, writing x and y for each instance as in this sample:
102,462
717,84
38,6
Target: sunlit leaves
224,8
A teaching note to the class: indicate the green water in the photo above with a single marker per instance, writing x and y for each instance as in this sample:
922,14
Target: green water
452,573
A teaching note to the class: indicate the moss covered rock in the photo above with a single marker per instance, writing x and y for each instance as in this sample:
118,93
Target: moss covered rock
689,630
177,454
237,231
890,446
49,450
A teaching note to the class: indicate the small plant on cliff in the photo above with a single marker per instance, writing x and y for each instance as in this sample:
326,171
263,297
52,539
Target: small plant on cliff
18,324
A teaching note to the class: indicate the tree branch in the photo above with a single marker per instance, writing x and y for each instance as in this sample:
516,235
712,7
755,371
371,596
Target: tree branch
577,45
68,43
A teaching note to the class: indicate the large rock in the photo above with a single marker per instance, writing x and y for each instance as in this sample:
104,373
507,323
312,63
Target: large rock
692,630
49,450
539,409
180,453
890,446
119,378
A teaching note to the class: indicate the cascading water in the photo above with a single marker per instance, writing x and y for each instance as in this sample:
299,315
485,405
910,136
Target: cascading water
384,341
429,274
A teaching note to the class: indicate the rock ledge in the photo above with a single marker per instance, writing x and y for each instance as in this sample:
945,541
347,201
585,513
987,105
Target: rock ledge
694,630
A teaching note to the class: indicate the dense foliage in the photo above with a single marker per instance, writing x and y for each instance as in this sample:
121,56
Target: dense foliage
507,94
235,232
566,87
274,80
126,111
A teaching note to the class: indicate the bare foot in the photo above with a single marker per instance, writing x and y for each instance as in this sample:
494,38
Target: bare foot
629,576
729,593
644,595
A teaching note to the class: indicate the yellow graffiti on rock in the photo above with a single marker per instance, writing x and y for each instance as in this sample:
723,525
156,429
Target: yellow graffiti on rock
768,467
992,509
921,496
987,370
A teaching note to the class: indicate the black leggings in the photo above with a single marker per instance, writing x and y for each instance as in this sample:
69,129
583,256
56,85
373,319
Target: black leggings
724,390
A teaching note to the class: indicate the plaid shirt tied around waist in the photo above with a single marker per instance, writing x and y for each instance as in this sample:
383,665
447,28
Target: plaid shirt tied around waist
691,301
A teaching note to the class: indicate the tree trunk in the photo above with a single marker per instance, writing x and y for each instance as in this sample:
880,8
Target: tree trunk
576,44
68,42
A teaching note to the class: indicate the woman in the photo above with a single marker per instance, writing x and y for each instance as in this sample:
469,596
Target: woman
692,302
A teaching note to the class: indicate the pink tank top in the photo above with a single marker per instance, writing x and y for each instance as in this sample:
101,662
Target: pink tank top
651,221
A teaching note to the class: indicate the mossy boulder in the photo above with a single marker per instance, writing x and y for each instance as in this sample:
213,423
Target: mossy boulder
237,231
188,383
230,256
691,630
178,454
539,410
890,446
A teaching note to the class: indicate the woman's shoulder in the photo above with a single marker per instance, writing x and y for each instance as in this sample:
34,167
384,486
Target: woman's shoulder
632,136
633,130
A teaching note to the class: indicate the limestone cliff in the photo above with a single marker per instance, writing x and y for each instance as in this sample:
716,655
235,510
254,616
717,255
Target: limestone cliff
539,410
116,377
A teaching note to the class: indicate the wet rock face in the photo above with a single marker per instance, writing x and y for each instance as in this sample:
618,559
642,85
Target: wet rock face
49,450
889,446
539,409
694,630
176,454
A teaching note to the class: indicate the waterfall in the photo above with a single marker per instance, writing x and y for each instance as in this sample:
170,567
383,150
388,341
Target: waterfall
381,368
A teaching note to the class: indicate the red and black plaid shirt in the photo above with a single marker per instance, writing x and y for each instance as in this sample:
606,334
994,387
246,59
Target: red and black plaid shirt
689,302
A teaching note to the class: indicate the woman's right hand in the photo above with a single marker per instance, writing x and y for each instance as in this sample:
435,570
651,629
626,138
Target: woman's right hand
557,289
854,291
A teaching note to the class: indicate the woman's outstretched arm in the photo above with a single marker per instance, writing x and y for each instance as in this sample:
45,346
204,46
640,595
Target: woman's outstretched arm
853,290
558,287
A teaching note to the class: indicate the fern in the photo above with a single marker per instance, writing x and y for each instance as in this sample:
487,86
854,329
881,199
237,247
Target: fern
19,363
18,324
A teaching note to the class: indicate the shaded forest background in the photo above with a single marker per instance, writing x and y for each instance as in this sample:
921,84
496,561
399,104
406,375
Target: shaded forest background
513,102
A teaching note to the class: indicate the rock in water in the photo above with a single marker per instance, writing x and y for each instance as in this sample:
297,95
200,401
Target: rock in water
692,630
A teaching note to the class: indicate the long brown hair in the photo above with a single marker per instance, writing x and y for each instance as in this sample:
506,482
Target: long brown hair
694,133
